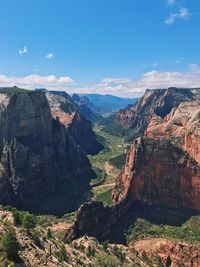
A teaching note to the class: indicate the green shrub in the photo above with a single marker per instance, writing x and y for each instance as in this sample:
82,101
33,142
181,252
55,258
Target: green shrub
18,217
62,254
10,245
90,252
105,260
36,238
105,245
49,235
29,221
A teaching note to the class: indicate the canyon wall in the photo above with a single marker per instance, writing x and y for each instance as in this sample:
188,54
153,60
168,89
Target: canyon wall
69,113
157,172
37,155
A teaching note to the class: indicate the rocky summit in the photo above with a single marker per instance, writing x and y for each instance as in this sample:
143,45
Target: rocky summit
70,114
158,102
38,158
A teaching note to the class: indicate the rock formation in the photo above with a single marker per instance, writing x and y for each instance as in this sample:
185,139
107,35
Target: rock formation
37,156
181,126
67,111
169,252
94,219
158,102
157,172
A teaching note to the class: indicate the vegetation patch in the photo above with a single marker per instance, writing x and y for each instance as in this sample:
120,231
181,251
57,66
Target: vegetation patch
104,195
188,232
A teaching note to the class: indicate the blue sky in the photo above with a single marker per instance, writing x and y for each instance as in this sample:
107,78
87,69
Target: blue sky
119,47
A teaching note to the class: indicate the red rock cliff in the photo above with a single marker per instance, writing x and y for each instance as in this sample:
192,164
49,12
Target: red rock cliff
158,172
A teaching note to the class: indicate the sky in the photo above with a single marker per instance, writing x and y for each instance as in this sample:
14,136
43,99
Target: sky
119,47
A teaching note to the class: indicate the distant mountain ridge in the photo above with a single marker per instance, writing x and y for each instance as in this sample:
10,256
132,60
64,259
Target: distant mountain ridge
108,103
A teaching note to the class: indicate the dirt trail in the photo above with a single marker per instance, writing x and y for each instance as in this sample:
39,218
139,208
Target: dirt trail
104,186
60,227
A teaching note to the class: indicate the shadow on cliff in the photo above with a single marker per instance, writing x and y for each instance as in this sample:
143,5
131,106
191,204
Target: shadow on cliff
65,199
153,213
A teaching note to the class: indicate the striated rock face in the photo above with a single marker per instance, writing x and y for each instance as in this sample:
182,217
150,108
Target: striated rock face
158,172
67,111
158,102
37,156
181,126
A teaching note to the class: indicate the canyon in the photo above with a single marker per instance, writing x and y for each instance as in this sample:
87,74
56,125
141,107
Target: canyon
161,177
44,142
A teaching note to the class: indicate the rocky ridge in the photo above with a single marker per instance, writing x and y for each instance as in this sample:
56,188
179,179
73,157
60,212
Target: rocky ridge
158,102
181,126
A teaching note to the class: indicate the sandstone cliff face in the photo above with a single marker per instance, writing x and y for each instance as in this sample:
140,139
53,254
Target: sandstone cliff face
181,126
158,172
37,156
158,102
66,110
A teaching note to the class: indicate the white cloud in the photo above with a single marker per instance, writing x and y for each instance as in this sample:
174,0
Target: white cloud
183,13
153,79
124,87
31,81
24,50
171,2
50,56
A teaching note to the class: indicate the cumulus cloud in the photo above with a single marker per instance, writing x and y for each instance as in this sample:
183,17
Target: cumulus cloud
153,79
31,81
124,87
183,13
23,51
49,56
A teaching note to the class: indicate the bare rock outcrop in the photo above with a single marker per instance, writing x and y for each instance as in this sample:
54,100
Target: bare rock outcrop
37,156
